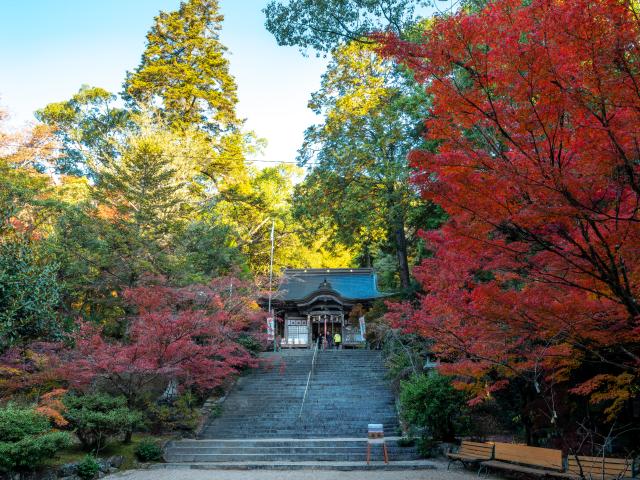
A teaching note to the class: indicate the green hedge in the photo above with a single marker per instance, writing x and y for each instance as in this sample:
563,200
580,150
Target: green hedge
26,439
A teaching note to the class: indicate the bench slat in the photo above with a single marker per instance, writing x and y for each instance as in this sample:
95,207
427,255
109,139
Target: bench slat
591,466
477,447
534,456
584,458
477,444
525,469
599,466
475,450
457,456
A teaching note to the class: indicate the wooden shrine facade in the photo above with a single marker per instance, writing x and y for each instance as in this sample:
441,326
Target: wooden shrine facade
310,303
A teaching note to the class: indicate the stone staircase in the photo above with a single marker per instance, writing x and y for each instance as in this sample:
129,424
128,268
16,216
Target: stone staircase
265,421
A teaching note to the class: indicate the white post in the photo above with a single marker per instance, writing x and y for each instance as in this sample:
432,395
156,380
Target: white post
273,226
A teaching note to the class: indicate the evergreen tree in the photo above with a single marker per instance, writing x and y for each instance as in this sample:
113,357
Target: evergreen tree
184,70
184,75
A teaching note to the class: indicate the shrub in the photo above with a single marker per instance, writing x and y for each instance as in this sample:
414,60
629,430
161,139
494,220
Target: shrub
88,468
148,451
250,343
26,439
430,402
181,414
426,447
406,442
97,416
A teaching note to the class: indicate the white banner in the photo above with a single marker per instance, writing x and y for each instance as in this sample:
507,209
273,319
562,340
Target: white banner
270,331
363,327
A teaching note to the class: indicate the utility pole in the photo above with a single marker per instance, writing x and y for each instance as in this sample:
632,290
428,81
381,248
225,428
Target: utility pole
273,318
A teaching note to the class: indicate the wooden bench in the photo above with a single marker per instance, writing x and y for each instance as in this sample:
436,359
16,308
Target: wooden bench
471,453
603,468
544,462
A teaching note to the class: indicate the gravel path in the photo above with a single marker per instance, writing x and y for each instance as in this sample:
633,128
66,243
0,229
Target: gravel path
441,473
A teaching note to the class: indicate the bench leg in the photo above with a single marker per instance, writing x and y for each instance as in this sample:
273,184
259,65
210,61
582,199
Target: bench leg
482,467
386,454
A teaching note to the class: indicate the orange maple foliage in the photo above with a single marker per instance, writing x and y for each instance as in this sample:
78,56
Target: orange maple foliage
51,406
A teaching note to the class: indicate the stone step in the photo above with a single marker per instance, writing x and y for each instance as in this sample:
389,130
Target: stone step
276,457
311,466
261,423
262,442
283,450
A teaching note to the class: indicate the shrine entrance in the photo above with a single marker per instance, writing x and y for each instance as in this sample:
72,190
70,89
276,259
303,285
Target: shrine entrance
325,323
312,303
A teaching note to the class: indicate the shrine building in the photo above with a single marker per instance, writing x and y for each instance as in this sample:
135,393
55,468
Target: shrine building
314,302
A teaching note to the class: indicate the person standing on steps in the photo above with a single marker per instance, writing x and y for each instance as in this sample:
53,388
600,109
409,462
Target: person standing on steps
328,341
337,340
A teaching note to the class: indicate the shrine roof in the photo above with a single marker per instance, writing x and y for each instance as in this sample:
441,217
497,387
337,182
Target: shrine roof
349,283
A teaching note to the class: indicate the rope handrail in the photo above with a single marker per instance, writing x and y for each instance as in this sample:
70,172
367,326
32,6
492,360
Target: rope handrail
313,364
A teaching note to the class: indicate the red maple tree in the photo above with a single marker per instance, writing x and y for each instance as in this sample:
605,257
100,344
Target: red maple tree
188,335
536,117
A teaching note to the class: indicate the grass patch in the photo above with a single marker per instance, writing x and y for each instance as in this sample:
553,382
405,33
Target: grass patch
75,453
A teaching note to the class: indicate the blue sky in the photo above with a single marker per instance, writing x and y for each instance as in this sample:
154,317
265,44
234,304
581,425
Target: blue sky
51,47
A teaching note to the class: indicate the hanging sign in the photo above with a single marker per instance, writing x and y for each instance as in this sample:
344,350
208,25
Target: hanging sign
270,330
363,327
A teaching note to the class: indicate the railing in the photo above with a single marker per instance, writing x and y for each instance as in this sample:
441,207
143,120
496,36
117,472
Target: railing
313,364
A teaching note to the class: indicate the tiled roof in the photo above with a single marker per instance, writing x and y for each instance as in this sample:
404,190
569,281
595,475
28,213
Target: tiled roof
349,283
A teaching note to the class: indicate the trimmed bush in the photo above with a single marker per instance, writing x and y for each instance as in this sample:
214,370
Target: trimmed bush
183,414
148,451
429,402
406,442
97,416
88,468
26,439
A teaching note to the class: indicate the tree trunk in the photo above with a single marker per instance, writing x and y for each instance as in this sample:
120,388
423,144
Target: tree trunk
401,252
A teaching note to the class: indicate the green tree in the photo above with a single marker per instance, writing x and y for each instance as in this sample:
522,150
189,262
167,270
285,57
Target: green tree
185,70
145,196
360,176
185,74
250,210
87,126
29,296
324,25
29,292
184,77
430,401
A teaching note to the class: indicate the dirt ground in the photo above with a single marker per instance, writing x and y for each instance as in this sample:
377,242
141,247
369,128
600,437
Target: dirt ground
440,473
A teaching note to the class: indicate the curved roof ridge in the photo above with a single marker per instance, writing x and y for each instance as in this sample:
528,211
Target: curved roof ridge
349,283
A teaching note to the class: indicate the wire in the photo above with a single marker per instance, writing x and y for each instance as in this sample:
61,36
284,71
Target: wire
192,157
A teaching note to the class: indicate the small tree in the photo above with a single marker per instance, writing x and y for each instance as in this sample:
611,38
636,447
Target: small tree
29,296
430,401
96,417
186,335
26,439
